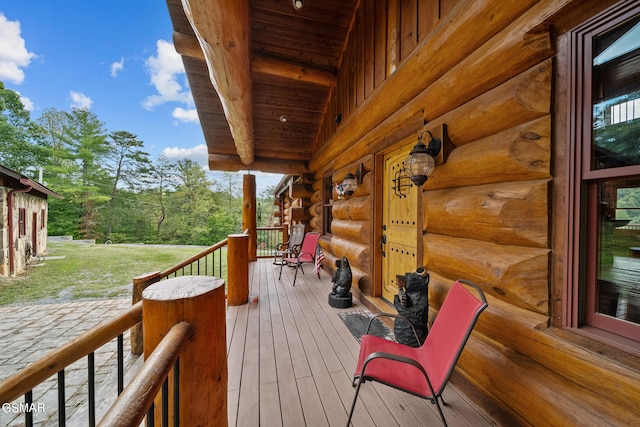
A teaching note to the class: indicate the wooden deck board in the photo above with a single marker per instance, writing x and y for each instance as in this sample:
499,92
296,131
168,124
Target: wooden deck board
291,361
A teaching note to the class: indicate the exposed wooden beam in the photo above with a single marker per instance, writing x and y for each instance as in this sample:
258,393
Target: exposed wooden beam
189,46
289,70
221,29
225,162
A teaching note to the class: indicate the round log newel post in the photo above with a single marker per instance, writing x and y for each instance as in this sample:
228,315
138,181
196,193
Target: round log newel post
238,269
140,283
198,300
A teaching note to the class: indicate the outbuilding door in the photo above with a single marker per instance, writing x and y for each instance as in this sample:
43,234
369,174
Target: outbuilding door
34,233
399,241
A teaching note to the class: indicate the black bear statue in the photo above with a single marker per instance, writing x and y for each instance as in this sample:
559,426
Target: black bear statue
340,296
412,302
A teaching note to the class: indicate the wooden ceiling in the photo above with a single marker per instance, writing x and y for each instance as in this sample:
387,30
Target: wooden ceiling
286,70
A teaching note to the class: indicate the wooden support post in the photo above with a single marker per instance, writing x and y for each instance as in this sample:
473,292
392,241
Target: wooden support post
285,232
198,300
249,213
238,269
140,283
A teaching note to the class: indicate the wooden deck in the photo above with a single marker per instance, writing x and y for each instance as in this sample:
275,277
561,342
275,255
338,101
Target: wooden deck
291,360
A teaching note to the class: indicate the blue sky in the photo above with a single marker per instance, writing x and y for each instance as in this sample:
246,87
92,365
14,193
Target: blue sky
115,58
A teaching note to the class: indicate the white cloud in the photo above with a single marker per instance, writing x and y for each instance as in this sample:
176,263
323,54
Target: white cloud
28,105
165,68
198,154
80,100
116,67
13,53
187,116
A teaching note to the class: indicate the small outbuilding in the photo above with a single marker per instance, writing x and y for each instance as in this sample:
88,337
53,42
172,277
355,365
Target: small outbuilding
23,214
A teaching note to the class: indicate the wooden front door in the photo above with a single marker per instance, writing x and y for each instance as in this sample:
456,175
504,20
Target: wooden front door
399,222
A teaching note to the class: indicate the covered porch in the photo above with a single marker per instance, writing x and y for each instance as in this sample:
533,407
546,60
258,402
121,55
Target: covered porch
291,359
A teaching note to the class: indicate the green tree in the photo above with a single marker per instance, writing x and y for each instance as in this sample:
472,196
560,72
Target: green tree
265,207
160,181
194,200
17,150
87,140
127,165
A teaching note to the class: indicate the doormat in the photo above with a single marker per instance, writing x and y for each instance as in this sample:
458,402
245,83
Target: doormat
357,321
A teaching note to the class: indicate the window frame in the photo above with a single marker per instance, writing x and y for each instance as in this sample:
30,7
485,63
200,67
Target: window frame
327,202
22,222
582,190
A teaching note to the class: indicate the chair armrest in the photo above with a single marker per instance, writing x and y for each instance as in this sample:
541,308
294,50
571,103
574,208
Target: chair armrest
313,255
396,358
395,316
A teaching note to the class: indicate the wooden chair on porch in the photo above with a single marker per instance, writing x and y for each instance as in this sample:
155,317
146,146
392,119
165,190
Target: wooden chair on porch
291,247
307,254
423,371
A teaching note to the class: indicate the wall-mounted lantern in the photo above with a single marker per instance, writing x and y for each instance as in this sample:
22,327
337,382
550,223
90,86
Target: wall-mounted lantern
351,181
420,164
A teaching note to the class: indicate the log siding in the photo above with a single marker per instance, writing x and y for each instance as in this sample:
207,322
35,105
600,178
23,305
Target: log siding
485,69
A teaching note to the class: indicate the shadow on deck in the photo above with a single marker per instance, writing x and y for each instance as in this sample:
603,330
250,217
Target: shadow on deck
291,360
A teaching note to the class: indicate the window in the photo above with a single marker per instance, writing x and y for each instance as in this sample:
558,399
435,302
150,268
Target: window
43,218
327,203
22,222
606,183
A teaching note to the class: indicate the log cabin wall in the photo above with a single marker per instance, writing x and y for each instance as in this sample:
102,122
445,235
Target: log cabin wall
486,70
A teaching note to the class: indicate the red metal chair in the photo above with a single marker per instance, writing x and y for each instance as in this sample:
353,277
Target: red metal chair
422,371
307,254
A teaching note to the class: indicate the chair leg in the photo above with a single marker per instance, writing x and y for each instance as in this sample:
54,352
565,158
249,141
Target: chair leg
296,274
355,399
444,421
281,265
443,402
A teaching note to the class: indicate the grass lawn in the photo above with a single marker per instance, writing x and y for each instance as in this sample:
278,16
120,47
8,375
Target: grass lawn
76,270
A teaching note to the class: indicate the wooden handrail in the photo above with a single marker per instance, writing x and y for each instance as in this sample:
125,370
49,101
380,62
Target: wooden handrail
135,400
34,374
194,258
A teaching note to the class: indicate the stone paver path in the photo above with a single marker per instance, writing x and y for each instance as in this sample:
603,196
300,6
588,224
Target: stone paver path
28,332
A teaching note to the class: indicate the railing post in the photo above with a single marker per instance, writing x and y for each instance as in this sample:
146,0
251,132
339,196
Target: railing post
140,283
238,269
198,300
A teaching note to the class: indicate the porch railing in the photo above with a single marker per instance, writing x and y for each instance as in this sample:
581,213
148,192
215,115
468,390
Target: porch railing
23,382
211,262
267,239
203,263
137,400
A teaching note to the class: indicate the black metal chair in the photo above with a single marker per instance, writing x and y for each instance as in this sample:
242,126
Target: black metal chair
291,247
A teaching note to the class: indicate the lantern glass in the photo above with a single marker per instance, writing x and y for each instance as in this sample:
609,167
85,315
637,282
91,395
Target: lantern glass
419,166
349,184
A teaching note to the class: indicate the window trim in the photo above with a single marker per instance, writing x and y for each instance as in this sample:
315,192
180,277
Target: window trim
327,202
581,182
22,222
